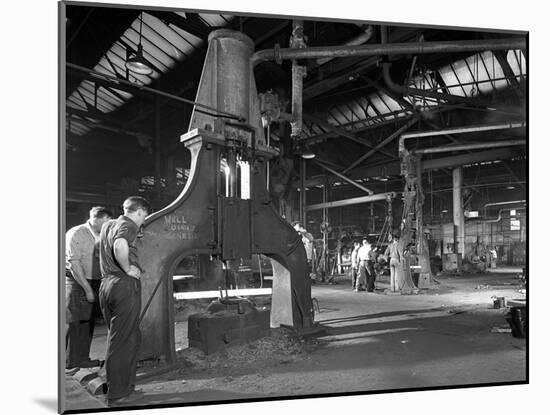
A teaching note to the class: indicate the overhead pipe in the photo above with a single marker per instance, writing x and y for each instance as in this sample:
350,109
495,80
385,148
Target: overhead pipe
471,146
499,217
456,130
460,130
352,201
408,48
511,202
345,178
357,40
405,90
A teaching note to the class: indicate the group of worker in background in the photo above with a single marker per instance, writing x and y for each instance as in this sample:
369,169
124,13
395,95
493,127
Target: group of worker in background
363,258
102,271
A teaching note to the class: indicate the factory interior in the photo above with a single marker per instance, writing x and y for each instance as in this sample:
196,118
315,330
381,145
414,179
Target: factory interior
268,147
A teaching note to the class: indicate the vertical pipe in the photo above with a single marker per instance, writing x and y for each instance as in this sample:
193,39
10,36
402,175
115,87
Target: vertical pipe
157,145
297,40
297,93
458,213
303,191
419,207
325,234
372,226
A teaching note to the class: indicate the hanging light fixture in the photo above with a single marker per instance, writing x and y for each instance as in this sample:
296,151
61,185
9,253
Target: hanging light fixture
136,63
308,154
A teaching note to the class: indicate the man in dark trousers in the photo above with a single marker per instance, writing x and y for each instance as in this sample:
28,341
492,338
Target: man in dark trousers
120,299
81,275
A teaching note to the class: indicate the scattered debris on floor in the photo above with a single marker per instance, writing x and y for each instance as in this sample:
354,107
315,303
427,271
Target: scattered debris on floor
281,346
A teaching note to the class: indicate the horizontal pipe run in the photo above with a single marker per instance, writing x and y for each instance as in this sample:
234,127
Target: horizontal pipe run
357,40
472,146
352,201
345,178
460,130
511,202
499,217
409,48
392,168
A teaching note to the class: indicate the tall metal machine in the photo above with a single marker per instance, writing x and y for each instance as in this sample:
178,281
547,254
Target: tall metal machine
224,210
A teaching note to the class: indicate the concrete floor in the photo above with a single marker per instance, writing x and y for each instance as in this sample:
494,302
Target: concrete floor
371,342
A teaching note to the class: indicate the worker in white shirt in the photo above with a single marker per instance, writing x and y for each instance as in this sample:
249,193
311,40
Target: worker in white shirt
354,264
362,259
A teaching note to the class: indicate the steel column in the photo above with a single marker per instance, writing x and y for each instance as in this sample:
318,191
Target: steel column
458,213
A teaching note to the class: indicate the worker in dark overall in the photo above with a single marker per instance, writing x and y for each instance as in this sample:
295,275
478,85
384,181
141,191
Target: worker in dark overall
371,273
120,299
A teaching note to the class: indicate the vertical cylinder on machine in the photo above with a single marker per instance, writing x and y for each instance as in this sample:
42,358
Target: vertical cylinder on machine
225,80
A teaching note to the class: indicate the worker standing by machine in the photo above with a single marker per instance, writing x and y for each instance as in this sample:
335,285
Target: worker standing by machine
394,255
120,299
362,259
354,268
371,274
81,277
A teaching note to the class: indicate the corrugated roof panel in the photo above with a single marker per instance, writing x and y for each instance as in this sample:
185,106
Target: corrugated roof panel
178,47
517,63
76,102
494,73
357,110
89,97
88,91
464,74
315,129
213,20
337,118
371,112
344,112
377,102
450,79
391,103
116,61
190,38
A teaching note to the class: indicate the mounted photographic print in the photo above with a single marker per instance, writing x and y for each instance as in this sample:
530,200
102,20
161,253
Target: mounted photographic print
259,207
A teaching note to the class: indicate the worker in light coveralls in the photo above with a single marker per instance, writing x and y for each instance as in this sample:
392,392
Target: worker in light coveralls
394,254
120,299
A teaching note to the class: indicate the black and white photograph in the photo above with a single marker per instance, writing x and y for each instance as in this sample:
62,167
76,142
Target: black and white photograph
258,207
275,207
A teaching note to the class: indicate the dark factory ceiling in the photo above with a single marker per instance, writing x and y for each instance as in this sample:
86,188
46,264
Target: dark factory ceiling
350,112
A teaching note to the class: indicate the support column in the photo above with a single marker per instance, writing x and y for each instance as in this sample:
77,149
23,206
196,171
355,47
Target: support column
458,213
303,191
